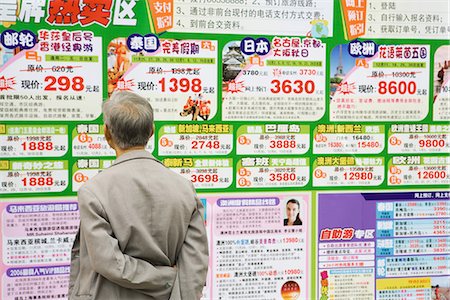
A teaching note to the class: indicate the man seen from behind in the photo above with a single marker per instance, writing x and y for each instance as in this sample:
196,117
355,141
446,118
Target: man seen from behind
142,232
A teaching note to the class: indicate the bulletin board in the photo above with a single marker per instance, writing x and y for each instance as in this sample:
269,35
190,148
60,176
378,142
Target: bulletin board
341,106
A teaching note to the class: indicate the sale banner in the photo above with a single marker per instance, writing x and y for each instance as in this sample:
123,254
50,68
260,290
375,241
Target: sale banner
354,15
161,14
315,133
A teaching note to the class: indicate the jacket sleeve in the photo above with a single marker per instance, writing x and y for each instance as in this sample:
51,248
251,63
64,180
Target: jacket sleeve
107,259
192,262
74,262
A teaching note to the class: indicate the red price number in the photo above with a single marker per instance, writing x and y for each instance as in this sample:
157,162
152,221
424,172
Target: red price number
307,72
358,175
38,181
432,175
64,83
371,144
296,87
37,146
431,143
183,85
205,178
282,144
95,146
282,177
293,272
394,87
197,145
291,240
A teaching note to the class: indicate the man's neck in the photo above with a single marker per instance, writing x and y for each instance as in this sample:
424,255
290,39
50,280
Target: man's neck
120,152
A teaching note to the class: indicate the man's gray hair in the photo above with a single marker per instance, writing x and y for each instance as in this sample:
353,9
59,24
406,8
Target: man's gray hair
129,118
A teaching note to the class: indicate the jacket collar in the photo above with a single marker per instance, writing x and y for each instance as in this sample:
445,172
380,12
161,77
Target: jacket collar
135,154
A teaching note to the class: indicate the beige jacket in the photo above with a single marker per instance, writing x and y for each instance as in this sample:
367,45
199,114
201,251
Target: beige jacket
142,235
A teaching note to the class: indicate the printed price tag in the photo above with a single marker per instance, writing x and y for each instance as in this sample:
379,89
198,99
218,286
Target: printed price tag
273,139
273,81
415,209
33,140
272,172
58,79
210,173
379,82
410,228
89,140
419,138
85,169
428,245
348,171
187,139
179,79
419,170
36,176
348,139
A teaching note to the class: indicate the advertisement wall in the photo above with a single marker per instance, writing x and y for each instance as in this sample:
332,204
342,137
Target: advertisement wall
335,111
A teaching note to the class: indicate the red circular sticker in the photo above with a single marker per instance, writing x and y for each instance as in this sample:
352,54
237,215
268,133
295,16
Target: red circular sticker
290,290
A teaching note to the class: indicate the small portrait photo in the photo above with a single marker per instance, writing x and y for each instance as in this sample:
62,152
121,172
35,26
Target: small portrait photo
440,288
293,213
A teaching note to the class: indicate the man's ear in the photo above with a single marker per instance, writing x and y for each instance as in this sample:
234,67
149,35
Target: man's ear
107,134
106,131
153,129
